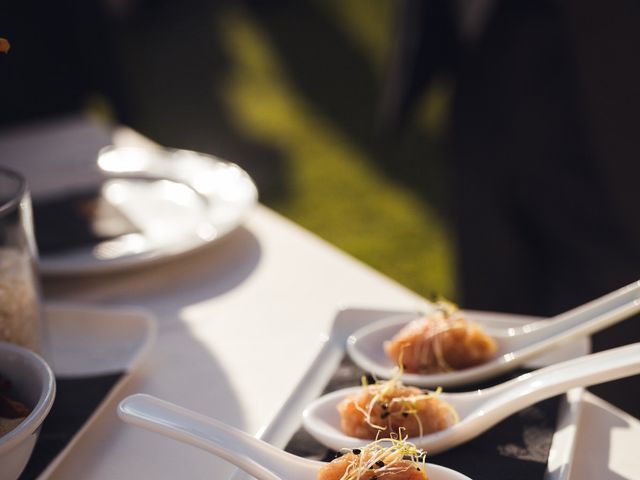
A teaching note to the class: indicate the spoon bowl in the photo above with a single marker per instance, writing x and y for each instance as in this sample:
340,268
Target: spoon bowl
515,345
256,457
481,409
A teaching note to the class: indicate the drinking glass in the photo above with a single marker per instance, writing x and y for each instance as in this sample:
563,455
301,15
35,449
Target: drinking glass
20,312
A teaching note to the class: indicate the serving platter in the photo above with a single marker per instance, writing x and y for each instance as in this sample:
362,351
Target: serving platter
101,204
150,205
331,366
93,352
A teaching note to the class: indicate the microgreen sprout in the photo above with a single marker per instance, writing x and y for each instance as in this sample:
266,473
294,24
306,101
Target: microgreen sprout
386,456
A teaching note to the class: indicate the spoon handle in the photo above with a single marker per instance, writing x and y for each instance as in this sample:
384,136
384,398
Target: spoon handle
259,459
590,317
547,382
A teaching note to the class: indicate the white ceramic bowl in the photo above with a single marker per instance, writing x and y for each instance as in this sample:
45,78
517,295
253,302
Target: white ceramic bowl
33,383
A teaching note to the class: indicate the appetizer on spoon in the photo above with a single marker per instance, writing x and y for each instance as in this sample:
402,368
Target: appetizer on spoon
476,411
441,341
445,349
390,406
390,458
393,459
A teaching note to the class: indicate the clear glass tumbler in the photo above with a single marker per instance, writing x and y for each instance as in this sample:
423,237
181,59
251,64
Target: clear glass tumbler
20,312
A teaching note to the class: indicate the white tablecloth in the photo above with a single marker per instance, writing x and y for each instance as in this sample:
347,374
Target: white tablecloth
239,322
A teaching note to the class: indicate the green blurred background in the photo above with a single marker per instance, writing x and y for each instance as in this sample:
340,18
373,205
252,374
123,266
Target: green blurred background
291,91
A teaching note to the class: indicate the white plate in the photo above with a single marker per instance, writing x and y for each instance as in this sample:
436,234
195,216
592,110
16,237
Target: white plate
60,156
289,419
88,341
177,200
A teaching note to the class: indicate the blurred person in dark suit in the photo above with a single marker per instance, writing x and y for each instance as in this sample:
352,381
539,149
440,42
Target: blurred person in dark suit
544,151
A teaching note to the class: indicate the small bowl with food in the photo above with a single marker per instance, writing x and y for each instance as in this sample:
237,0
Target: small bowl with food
27,391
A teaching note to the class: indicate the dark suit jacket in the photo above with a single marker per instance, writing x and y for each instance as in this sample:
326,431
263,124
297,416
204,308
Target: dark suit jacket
545,150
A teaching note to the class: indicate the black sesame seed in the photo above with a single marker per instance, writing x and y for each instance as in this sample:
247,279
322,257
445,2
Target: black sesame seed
356,451
384,414
380,463
405,414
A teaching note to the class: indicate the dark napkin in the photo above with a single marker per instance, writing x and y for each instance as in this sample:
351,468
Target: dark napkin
76,220
516,448
76,399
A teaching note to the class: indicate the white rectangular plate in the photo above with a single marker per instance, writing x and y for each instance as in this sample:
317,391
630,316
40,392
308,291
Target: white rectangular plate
288,420
87,341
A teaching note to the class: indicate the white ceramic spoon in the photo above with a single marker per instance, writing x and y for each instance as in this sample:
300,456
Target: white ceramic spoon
515,345
254,456
481,409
